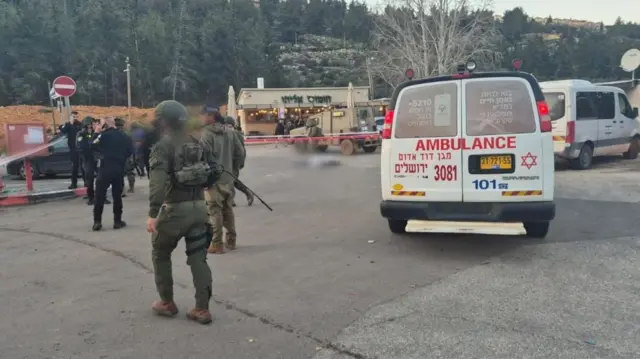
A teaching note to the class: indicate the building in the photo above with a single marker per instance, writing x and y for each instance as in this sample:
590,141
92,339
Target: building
259,108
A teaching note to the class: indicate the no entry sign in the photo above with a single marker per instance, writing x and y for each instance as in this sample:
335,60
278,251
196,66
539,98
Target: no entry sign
64,86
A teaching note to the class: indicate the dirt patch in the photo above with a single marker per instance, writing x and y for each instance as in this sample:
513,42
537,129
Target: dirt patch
41,114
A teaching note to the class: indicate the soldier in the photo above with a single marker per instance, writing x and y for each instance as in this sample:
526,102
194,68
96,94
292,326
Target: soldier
231,125
84,138
130,164
114,147
226,150
177,210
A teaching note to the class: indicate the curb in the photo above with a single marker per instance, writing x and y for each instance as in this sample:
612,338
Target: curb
41,197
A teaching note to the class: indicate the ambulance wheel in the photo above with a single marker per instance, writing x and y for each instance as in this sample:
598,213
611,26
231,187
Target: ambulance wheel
536,229
634,148
347,147
398,226
370,149
585,158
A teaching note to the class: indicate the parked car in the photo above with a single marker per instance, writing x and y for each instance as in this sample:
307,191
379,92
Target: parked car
57,162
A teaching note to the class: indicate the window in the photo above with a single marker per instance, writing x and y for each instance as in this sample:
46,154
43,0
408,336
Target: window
603,106
499,106
427,110
556,103
625,106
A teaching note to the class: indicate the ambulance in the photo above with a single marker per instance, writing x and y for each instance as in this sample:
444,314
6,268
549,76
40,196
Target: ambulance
468,147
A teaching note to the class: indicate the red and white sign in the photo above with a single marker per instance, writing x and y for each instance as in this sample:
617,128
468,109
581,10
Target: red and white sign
64,86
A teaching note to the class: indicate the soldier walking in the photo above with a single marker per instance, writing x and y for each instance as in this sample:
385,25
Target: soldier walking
231,125
177,176
224,148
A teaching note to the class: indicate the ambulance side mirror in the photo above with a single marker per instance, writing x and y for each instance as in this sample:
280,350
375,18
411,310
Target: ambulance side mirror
634,112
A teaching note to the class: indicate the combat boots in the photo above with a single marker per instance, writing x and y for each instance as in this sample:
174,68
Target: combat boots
231,244
216,249
165,309
202,316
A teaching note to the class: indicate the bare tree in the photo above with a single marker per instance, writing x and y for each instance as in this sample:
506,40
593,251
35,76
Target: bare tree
175,78
432,37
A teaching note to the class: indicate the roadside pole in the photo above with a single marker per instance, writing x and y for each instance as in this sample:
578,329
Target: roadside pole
128,71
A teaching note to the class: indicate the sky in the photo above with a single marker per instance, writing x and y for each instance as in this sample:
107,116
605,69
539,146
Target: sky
591,10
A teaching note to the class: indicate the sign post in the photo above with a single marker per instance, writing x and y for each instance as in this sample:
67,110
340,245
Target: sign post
65,87
410,74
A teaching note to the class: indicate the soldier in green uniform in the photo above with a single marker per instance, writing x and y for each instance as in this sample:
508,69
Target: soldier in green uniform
178,174
313,131
231,125
226,150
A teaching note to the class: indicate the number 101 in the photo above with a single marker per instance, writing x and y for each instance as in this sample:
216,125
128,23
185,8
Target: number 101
485,184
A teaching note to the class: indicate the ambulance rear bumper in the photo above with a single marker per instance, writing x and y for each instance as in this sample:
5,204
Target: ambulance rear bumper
472,212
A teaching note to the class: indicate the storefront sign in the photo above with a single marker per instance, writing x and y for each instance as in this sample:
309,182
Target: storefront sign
295,99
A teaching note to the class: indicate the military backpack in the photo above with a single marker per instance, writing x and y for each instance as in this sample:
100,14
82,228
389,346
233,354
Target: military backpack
188,165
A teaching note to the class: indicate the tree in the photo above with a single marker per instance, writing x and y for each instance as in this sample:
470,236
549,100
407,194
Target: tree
432,37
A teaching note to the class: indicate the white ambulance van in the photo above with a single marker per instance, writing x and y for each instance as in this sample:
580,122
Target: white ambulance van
468,147
590,120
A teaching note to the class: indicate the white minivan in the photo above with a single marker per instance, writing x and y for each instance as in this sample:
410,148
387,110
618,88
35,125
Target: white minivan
468,147
590,120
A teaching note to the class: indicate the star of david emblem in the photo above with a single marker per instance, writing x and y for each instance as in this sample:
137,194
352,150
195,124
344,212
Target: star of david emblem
529,160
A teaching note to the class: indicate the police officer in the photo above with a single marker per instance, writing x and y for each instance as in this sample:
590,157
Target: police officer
84,139
114,147
177,209
130,163
71,129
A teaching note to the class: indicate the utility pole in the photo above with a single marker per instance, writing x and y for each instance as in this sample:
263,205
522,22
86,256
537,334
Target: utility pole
128,71
371,83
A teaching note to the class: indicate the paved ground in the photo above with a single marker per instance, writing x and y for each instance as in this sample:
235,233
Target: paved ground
307,283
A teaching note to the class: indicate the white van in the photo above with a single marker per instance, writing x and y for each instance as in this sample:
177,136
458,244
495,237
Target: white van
468,147
590,120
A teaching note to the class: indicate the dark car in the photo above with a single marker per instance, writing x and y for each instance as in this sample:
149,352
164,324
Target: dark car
56,163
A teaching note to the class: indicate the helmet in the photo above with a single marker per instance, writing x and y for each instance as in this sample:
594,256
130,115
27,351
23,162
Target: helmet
228,120
310,122
172,113
87,121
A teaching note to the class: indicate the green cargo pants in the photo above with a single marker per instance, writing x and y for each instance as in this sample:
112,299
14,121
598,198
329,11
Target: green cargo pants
219,200
175,221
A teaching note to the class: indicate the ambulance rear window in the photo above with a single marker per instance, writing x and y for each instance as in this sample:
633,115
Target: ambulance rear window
427,110
497,106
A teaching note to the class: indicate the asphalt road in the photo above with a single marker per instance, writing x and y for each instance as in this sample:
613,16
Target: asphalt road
322,277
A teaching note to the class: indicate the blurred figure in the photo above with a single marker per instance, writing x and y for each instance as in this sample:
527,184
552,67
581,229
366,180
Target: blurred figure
114,147
71,129
230,123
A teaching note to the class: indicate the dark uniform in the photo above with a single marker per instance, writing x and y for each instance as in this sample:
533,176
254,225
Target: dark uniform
114,147
71,130
84,139
130,163
150,139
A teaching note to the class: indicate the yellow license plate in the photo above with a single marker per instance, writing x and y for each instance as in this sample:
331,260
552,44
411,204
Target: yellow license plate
496,162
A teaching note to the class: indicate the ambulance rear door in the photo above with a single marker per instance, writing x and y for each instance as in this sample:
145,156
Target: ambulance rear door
421,164
503,152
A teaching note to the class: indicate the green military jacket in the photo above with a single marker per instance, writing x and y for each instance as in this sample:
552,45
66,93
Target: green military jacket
161,186
223,147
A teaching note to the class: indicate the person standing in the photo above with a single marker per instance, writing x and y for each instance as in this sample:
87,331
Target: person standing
71,129
130,163
231,125
150,139
84,139
137,135
177,176
114,147
223,148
